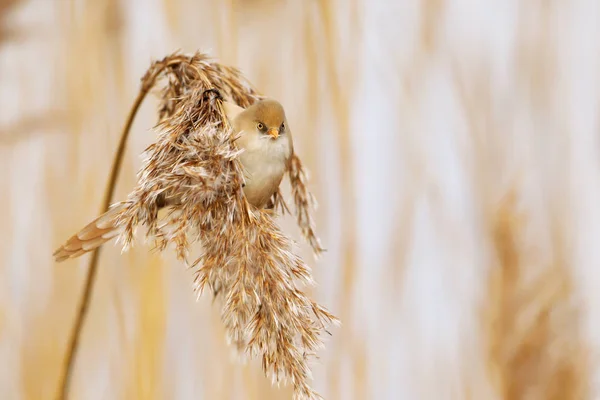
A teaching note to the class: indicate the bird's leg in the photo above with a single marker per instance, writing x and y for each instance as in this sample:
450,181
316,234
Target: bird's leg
270,205
216,289
161,201
276,201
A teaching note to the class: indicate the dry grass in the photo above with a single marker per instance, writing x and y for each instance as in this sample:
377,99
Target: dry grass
531,315
5,6
536,347
247,261
341,82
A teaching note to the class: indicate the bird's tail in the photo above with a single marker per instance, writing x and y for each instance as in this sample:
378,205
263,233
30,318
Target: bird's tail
92,236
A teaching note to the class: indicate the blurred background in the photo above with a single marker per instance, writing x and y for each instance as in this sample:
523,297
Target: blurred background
453,148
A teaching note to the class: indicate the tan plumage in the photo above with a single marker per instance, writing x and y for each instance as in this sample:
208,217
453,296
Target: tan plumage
267,144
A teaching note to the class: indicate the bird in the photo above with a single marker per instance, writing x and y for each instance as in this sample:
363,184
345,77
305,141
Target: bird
266,142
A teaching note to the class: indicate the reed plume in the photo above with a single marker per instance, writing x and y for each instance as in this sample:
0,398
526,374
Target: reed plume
247,261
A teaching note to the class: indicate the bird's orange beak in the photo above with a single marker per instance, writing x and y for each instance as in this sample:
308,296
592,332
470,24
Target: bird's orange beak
273,132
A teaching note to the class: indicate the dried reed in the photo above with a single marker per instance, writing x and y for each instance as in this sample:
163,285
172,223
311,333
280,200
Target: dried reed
531,316
537,350
73,344
5,6
247,261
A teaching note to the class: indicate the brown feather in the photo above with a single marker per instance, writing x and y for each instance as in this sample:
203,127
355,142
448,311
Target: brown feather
93,235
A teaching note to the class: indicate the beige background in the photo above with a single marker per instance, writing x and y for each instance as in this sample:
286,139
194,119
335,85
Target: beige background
419,120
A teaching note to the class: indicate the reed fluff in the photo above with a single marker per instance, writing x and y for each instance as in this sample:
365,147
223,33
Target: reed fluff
247,261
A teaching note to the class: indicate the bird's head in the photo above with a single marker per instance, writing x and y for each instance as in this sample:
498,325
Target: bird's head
266,117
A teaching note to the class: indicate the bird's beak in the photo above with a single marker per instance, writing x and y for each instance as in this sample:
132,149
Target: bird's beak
273,132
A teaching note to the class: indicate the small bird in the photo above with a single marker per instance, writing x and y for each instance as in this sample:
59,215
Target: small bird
266,141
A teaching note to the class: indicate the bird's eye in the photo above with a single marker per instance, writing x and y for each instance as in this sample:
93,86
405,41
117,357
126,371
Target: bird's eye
282,127
260,126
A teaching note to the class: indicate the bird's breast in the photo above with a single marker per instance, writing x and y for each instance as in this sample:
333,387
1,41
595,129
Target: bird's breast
264,161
